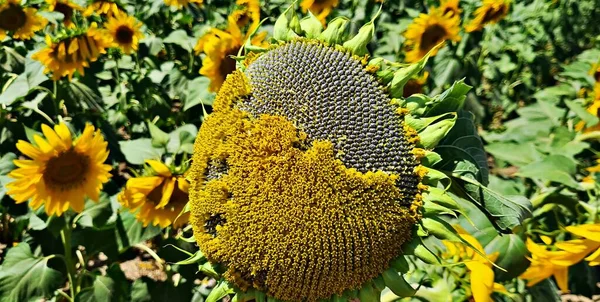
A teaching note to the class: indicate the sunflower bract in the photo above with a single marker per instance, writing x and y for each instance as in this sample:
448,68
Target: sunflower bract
305,180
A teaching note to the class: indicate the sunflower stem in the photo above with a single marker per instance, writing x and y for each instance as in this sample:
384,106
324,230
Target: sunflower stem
65,236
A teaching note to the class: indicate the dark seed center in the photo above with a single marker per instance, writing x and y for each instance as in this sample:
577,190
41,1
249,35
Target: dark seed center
432,36
124,34
12,18
67,170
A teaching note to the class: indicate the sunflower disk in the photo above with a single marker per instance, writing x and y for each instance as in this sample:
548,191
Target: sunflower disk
307,178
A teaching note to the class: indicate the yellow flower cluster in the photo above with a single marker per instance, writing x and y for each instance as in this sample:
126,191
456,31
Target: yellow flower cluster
220,45
479,268
66,56
73,53
546,263
270,206
443,23
18,21
61,171
320,8
182,3
67,8
429,30
490,12
157,199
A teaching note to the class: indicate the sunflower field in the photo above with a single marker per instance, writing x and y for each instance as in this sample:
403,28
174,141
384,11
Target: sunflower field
309,150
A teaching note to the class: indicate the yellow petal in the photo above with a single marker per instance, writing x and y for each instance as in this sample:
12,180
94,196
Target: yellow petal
499,288
42,144
561,274
482,280
28,149
573,251
594,257
52,137
65,134
167,191
547,240
183,184
589,231
160,168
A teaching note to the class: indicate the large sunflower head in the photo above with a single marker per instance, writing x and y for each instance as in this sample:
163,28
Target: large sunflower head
64,55
61,172
490,12
158,197
18,21
307,180
125,32
66,8
102,7
221,45
429,30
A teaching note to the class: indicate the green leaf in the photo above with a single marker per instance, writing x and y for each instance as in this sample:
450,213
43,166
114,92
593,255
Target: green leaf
462,151
99,214
583,114
198,93
24,277
222,289
112,287
506,213
154,43
160,139
20,87
555,168
451,100
6,163
139,150
140,292
130,231
179,37
182,139
518,154
81,94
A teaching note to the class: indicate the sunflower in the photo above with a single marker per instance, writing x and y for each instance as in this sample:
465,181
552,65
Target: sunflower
102,7
125,31
18,21
415,85
479,267
61,172
66,8
306,181
159,198
490,12
320,8
429,30
450,8
68,54
182,3
220,45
